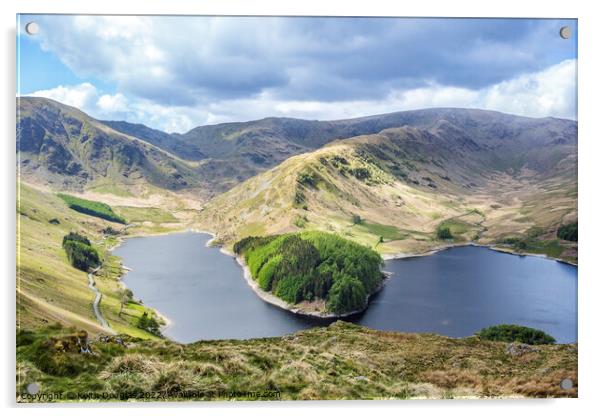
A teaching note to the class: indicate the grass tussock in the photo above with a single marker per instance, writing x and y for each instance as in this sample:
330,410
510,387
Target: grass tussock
343,361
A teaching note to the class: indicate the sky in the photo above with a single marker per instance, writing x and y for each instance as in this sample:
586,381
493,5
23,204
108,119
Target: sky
174,73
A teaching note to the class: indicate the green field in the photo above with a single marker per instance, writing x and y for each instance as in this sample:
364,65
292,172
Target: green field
96,209
387,232
142,214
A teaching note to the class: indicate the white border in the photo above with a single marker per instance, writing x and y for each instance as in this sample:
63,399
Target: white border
590,277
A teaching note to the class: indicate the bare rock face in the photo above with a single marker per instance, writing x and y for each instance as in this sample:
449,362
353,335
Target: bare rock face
516,349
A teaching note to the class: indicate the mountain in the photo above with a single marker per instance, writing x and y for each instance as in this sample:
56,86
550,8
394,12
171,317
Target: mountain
229,153
237,151
172,143
487,176
64,147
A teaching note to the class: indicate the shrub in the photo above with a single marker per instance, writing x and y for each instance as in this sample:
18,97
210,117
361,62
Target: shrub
361,173
110,231
444,233
356,219
521,245
76,237
149,324
509,240
340,159
299,198
568,232
308,178
93,208
515,333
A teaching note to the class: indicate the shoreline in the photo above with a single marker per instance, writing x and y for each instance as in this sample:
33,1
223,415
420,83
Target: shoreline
167,322
125,269
396,256
274,300
263,295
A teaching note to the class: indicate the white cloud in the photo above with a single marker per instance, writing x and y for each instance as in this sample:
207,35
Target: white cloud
551,92
87,98
112,103
192,61
79,96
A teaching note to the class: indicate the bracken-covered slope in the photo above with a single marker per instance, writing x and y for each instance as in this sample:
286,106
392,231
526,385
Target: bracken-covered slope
342,361
63,147
392,190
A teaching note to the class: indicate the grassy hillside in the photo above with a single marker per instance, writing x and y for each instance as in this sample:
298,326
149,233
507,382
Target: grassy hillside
393,190
343,361
62,147
49,288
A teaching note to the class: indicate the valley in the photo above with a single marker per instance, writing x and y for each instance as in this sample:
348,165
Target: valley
397,185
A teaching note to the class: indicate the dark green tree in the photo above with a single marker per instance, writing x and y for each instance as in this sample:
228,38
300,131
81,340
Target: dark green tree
568,232
444,233
347,294
80,252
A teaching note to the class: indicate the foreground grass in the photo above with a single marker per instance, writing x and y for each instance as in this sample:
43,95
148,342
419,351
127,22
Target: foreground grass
342,361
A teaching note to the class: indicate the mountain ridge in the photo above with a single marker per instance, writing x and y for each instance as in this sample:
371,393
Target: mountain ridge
218,157
63,146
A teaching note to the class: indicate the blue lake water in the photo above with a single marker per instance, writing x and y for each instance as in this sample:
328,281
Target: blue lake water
454,292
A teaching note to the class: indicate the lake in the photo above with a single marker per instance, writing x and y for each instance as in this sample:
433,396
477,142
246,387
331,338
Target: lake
454,292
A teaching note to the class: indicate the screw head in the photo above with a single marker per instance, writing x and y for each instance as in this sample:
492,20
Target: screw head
33,388
32,28
566,384
565,32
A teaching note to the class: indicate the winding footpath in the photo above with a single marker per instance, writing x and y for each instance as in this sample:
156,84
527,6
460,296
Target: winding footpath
96,303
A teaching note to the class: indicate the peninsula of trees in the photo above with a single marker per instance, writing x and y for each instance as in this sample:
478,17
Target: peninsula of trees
312,266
